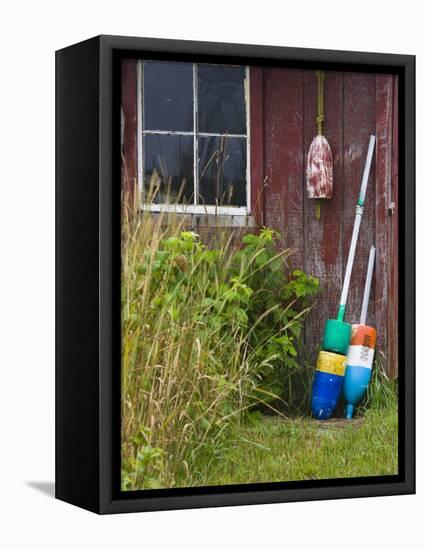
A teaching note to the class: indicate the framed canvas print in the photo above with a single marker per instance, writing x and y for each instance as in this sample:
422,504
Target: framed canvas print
235,274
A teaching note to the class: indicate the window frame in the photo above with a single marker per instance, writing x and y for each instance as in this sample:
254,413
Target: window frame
193,208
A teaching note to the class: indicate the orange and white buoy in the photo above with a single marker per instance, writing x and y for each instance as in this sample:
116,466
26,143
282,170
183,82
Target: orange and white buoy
361,351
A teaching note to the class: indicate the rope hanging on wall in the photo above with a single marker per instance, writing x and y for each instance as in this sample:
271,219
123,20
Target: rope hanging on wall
319,170
320,97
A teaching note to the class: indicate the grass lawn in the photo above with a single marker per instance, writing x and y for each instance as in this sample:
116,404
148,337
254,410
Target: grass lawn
274,449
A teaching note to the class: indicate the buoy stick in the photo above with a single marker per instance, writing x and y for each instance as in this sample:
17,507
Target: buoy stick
357,222
361,350
368,285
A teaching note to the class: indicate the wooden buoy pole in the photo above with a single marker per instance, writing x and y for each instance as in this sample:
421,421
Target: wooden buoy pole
368,285
357,222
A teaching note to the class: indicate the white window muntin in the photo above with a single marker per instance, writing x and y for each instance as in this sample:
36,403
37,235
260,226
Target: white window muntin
192,208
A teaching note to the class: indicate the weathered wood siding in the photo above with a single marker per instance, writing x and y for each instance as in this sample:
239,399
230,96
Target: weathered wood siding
356,105
283,114
128,125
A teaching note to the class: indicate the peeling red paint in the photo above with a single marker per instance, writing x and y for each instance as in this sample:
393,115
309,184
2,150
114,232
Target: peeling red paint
283,109
359,123
284,162
257,143
355,106
392,310
129,119
383,176
323,235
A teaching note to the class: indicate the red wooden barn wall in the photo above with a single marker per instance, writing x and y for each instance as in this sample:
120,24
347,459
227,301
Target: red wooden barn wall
283,113
129,120
356,105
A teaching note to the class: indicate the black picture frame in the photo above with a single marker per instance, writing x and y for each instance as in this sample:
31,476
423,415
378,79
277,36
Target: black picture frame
88,273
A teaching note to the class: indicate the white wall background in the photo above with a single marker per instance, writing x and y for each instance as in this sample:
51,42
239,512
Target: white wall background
30,32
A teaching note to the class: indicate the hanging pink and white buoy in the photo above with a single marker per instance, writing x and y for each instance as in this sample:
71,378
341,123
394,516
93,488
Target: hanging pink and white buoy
319,162
319,169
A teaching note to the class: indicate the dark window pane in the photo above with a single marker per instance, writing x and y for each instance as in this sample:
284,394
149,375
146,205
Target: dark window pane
221,100
168,96
222,171
168,168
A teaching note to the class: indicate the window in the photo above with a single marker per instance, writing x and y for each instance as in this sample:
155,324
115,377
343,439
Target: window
193,137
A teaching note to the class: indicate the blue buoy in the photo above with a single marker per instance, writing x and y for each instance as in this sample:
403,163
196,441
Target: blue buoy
327,384
359,366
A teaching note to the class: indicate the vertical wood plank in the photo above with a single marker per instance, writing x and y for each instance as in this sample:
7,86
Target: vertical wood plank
323,235
383,177
359,124
129,120
257,143
284,158
392,311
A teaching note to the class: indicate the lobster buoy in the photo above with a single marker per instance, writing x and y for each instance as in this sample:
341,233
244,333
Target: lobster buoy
359,366
361,350
319,169
327,385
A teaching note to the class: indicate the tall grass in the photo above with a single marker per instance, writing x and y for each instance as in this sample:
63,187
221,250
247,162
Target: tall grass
193,360
382,391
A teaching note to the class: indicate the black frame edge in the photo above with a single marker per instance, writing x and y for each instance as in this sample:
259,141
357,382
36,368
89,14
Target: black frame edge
407,322
117,506
259,52
77,282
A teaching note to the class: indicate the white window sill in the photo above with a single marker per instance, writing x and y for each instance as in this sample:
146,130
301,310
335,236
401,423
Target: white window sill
200,209
207,216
